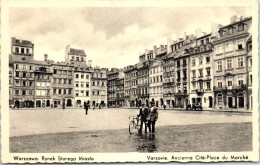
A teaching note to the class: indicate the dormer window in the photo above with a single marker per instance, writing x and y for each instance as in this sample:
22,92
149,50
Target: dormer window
222,33
241,27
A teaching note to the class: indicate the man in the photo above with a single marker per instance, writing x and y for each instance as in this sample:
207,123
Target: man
153,116
86,107
143,114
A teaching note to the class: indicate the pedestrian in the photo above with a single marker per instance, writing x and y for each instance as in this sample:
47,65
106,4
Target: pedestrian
143,114
164,107
86,107
152,118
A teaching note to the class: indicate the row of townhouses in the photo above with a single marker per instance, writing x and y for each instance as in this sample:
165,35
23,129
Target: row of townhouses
213,70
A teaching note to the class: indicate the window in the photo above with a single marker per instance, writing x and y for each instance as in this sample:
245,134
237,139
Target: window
229,47
193,62
98,93
93,83
77,75
200,73
27,51
65,81
249,48
87,76
93,93
55,71
69,91
208,59
16,74
30,92
69,73
16,92
240,27
229,83
82,85
23,92
240,62
229,64
54,91
87,85
77,58
208,84
64,91
240,45
219,49
59,91
87,93
200,61
22,50
70,81
184,62
178,63
24,67
17,83
24,74
16,50
200,85
219,84
208,71
193,84
240,80
30,84
219,65
77,85
82,76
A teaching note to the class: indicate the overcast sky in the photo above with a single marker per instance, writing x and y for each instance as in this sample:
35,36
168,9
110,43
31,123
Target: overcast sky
111,37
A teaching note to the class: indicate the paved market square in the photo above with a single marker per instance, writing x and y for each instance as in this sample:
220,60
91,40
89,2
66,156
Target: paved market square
106,130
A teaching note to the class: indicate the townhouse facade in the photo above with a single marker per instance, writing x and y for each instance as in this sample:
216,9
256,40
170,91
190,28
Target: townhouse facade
201,76
213,70
230,59
99,87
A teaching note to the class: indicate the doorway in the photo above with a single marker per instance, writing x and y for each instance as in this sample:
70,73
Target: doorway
230,102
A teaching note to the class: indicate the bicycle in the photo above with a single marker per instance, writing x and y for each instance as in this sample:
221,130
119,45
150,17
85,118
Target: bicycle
134,124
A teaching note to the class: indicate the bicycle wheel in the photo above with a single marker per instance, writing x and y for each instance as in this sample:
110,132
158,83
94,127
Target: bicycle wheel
131,127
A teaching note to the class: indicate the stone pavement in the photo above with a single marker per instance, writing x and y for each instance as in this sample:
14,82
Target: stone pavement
43,121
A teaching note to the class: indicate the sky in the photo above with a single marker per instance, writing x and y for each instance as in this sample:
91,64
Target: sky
111,37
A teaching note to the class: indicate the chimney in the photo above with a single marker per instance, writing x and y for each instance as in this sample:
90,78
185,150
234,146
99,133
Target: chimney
214,29
89,63
184,36
154,50
233,19
146,51
198,32
45,57
169,43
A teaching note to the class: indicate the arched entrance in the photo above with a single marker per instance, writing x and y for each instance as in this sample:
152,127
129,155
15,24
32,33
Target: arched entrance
48,104
38,103
220,99
241,102
173,104
17,104
210,102
69,103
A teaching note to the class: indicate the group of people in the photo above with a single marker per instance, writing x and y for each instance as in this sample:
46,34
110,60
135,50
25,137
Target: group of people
148,117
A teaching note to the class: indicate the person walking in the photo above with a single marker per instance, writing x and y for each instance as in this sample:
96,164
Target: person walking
86,107
152,118
143,114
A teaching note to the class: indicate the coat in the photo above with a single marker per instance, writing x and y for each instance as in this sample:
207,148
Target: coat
153,114
143,113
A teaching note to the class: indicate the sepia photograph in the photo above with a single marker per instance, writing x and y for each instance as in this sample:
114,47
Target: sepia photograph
129,82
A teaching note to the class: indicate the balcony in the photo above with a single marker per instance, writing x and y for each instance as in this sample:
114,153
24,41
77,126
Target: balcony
199,91
223,88
182,93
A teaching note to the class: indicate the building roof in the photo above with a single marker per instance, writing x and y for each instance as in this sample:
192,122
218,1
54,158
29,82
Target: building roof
77,52
181,51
